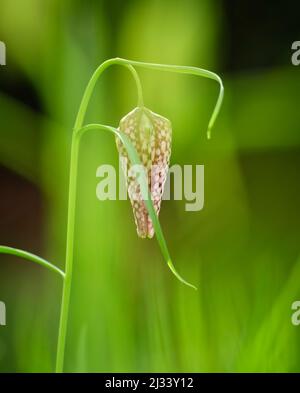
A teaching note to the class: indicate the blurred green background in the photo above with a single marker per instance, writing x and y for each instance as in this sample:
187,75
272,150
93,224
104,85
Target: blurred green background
128,313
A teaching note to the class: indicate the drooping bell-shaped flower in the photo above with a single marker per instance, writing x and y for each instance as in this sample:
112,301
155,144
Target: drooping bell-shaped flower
151,136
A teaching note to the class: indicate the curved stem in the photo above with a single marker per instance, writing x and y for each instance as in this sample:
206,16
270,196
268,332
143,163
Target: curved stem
138,85
90,88
159,67
185,70
72,202
31,257
78,131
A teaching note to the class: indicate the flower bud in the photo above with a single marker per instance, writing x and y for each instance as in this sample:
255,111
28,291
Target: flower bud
151,136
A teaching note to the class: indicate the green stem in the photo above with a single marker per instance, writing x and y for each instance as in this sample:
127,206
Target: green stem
31,257
69,255
138,85
91,85
159,67
184,70
72,203
78,131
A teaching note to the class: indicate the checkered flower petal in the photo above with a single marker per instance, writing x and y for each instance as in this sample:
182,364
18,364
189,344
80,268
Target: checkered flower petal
151,135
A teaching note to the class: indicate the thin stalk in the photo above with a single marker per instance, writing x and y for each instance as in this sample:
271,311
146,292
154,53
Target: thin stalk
138,85
64,314
185,70
32,258
69,255
159,67
77,132
91,85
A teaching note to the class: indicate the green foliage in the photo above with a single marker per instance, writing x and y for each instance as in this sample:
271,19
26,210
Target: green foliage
242,251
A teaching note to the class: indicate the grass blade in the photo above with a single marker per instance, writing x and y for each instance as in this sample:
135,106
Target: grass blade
31,257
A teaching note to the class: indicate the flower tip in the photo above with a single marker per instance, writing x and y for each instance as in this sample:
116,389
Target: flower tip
191,285
172,268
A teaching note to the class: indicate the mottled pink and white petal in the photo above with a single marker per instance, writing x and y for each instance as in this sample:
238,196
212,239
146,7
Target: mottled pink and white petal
151,135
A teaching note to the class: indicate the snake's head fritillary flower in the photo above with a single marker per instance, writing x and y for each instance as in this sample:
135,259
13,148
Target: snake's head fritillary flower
151,136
